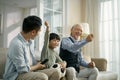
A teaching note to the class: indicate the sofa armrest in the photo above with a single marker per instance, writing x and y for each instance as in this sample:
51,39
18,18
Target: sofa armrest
101,63
3,52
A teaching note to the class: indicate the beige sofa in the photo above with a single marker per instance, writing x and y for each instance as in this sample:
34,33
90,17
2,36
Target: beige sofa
101,64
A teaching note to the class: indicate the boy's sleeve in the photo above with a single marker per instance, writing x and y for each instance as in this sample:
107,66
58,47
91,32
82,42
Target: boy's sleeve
45,46
58,59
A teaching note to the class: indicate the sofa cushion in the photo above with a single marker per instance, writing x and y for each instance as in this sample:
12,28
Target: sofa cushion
104,75
107,75
2,61
82,78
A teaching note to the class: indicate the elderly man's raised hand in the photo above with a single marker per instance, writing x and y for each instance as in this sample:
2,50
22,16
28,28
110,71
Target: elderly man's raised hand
89,37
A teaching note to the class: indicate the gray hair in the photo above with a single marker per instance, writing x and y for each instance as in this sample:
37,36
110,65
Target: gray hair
75,26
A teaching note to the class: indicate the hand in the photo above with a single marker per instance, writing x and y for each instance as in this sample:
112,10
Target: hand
91,64
47,25
63,64
40,66
89,37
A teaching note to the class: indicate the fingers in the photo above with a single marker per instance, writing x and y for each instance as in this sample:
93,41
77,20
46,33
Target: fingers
47,26
89,37
41,66
91,64
63,64
46,23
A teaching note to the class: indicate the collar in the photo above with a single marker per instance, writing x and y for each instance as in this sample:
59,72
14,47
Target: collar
23,39
73,39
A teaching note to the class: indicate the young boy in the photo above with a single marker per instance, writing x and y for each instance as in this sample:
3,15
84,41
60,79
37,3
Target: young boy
50,43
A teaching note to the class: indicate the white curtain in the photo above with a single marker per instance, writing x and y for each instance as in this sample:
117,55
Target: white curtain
91,17
103,17
109,33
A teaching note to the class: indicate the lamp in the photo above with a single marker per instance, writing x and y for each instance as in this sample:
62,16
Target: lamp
86,31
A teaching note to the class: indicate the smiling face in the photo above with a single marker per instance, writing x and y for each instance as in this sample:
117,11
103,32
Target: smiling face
54,40
53,43
76,31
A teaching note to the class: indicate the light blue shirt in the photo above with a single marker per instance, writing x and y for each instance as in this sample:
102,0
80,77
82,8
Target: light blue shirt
17,61
74,47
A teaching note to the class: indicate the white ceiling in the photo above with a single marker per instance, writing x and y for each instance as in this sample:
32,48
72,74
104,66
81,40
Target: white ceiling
20,3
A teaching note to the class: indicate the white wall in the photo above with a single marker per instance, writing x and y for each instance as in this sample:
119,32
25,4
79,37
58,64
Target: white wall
1,36
12,17
74,11
73,15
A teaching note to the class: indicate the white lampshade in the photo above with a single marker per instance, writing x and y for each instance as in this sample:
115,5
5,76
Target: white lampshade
85,27
86,30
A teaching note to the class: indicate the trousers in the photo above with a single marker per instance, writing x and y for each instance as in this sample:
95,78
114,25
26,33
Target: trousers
88,73
45,74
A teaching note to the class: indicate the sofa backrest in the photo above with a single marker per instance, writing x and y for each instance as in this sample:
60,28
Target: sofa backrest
101,63
2,61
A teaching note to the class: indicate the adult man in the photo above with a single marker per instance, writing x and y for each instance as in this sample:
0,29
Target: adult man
70,51
21,64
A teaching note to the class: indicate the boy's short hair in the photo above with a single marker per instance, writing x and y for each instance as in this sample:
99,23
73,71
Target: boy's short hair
54,36
31,23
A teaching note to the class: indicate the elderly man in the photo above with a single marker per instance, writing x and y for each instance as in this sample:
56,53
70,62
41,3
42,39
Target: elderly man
70,51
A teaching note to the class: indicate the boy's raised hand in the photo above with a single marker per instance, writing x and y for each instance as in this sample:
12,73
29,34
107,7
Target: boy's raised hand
47,25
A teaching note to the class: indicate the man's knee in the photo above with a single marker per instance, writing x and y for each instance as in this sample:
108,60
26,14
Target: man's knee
70,70
56,75
95,71
70,73
32,76
41,76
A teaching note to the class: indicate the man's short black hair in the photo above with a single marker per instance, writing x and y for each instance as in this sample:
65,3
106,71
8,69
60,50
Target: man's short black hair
54,36
31,23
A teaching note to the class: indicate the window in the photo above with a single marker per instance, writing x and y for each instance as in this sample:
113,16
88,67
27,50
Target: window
109,33
53,13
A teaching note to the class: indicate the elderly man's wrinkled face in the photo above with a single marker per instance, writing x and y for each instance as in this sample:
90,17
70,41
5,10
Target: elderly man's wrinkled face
76,31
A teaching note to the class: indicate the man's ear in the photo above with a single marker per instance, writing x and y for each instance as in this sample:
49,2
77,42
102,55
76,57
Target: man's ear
33,32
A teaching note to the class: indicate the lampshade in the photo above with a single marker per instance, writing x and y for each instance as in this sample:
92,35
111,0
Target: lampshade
85,27
86,30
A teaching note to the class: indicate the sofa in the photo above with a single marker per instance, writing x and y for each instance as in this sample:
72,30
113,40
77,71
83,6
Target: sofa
101,64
